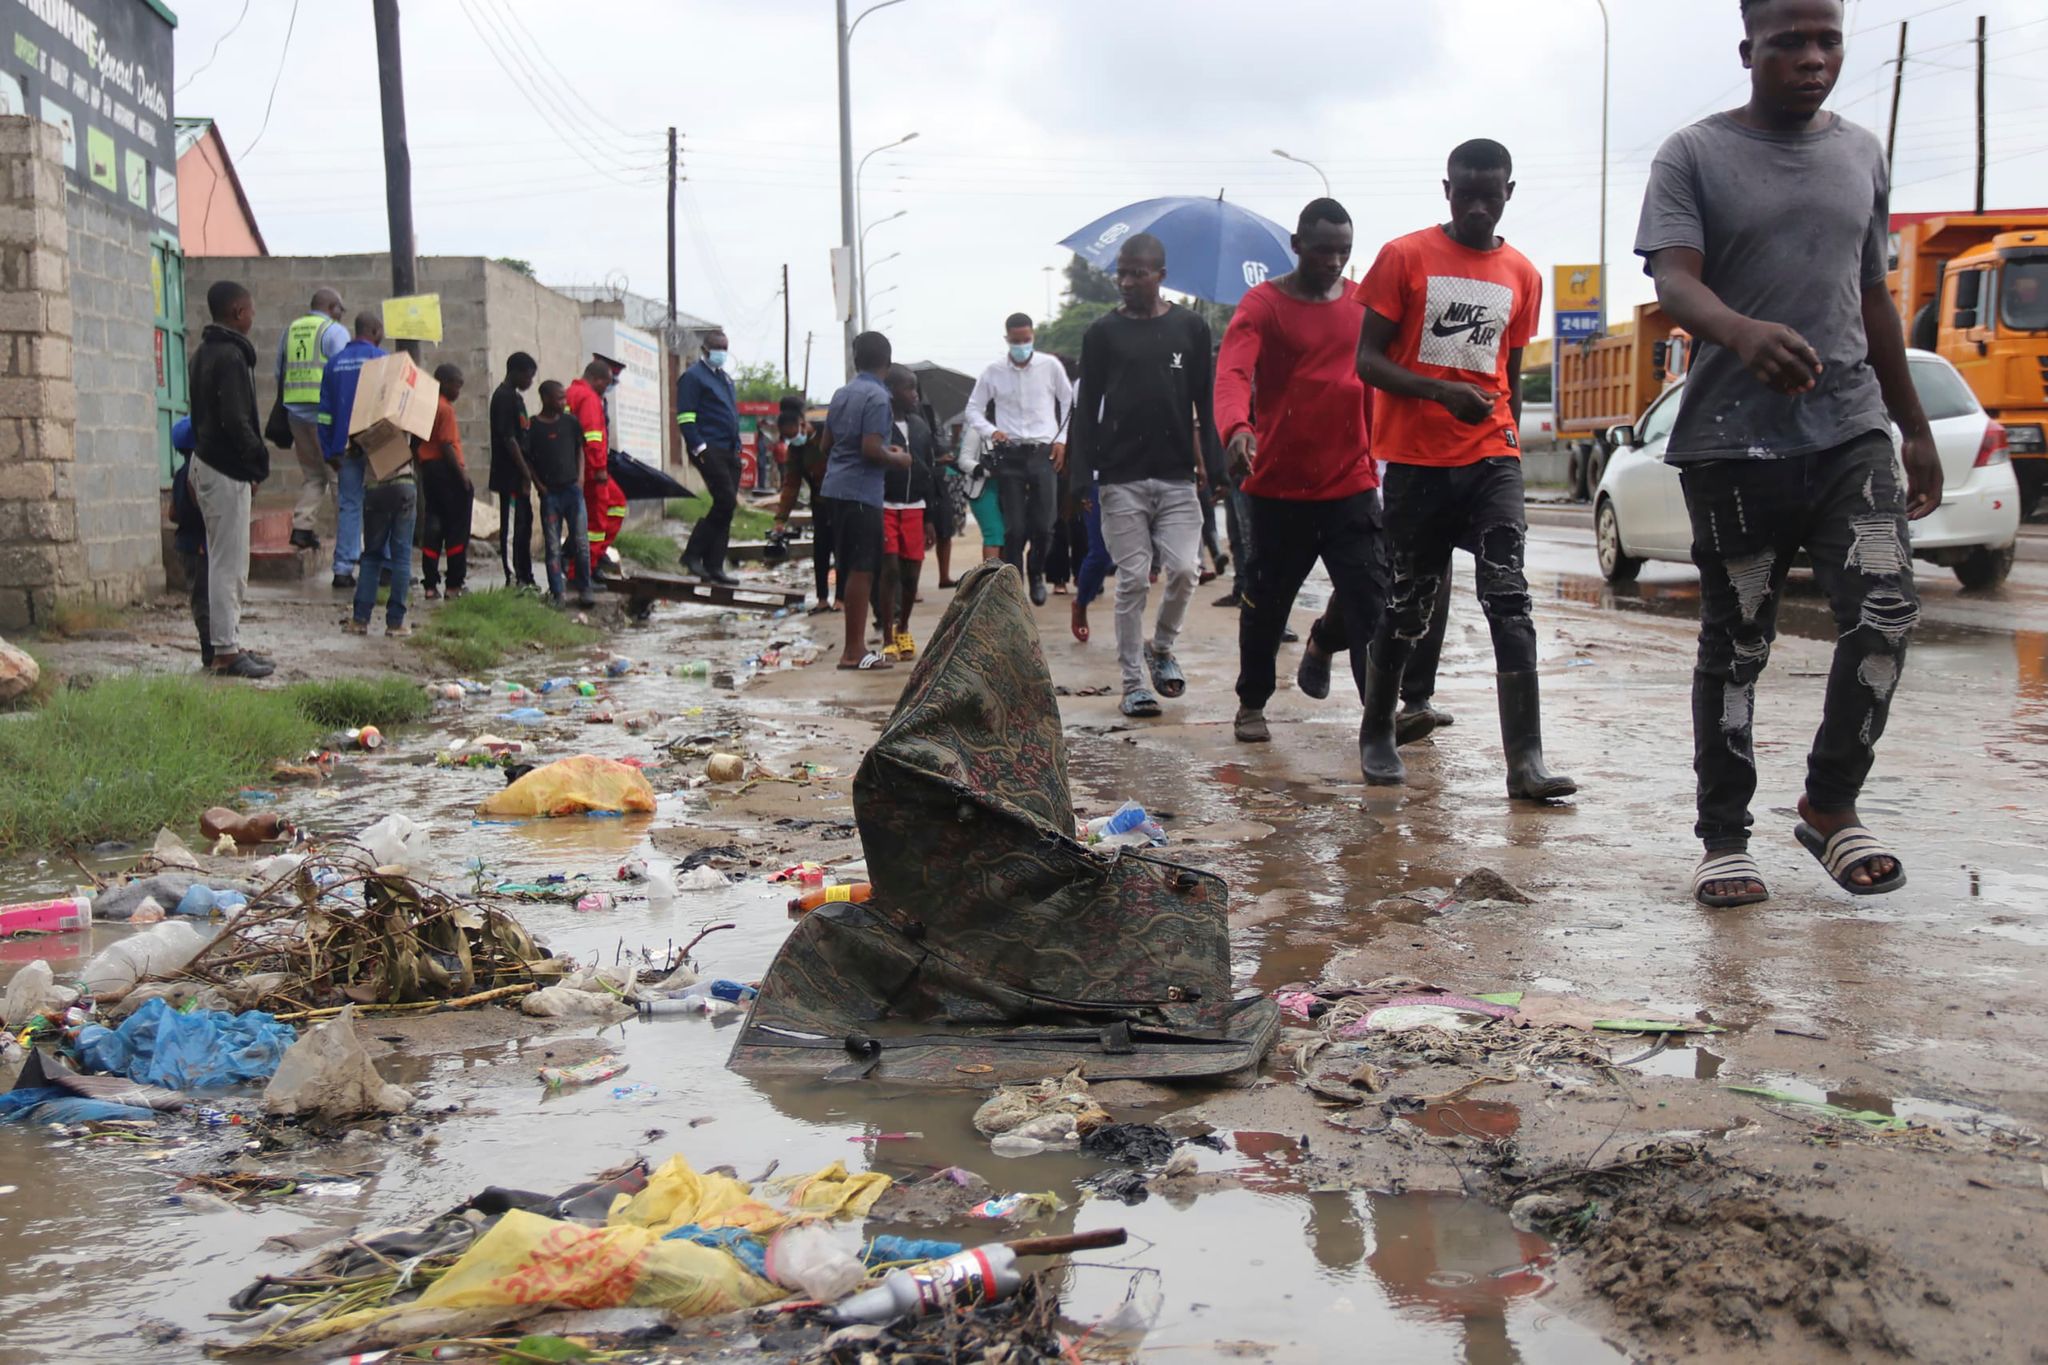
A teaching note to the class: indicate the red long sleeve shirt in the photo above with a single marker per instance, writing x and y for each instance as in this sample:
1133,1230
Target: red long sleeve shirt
1289,371
588,409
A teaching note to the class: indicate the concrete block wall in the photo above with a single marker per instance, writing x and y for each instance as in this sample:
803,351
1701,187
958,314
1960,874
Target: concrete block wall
41,560
487,312
114,370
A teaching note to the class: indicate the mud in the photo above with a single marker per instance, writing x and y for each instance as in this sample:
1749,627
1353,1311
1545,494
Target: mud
1379,1218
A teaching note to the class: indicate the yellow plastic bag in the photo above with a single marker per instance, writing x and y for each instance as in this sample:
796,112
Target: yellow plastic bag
528,1259
570,785
831,1192
677,1196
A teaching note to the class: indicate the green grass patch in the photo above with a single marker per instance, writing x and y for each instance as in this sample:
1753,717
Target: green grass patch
127,755
748,523
481,629
340,703
649,549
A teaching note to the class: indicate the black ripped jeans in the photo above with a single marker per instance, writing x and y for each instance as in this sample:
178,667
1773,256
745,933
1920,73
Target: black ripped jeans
1846,508
1477,508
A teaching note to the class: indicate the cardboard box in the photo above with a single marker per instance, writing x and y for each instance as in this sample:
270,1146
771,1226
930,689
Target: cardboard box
395,400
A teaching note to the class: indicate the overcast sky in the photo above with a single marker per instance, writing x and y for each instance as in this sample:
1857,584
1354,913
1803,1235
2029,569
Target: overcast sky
1033,118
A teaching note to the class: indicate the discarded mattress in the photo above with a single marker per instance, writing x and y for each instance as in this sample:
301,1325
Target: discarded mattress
997,948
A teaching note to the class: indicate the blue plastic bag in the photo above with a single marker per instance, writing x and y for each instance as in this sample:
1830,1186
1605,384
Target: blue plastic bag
48,1104
159,1046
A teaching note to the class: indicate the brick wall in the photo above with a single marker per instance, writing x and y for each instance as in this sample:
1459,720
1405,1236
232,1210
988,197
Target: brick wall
41,561
114,358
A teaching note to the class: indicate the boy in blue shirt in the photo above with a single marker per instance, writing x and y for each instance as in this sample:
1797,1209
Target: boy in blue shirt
859,430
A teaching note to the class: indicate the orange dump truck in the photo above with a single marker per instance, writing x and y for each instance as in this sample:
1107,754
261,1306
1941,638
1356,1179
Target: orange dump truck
1608,381
1973,287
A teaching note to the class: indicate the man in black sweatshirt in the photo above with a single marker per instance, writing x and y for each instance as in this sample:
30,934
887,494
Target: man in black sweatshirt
231,459
1145,433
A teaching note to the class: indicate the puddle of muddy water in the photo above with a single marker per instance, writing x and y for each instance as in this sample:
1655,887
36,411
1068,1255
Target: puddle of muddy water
92,1243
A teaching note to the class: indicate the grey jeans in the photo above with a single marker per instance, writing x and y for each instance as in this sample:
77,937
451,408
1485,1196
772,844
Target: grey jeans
224,505
1161,517
315,474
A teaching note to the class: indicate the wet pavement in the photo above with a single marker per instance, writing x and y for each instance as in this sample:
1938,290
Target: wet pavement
1924,1004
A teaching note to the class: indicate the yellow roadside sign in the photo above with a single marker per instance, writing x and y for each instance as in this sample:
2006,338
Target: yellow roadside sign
416,317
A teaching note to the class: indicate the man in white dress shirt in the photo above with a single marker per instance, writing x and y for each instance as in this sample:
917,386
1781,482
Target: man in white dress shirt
1031,395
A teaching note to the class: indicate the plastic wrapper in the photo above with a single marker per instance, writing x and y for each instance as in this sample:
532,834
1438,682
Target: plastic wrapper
570,785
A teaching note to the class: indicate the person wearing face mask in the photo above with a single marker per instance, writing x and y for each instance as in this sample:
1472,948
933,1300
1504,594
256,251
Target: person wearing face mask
707,411
1017,407
805,468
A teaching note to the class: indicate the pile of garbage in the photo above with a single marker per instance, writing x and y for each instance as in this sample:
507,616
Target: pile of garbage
1367,1035
672,1239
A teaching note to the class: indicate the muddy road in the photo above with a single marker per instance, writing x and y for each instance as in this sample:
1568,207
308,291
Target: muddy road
1753,1229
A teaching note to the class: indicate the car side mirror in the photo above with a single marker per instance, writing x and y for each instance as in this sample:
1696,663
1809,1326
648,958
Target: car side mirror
1621,437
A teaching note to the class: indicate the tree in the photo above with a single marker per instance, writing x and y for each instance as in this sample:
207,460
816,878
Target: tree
1090,294
759,383
515,263
1536,385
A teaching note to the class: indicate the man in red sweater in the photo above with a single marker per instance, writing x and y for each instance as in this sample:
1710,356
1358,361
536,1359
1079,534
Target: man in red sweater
1292,411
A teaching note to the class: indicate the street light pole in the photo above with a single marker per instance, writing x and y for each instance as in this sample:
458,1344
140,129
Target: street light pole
843,33
1606,48
860,212
863,255
867,269
1302,161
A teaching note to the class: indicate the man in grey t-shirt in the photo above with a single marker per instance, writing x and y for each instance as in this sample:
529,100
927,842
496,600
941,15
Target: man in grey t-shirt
1765,229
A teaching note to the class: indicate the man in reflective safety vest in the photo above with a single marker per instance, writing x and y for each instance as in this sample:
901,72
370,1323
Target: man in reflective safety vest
302,355
605,504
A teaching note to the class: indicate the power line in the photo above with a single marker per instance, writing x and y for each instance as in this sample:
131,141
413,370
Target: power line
533,89
540,50
216,48
275,80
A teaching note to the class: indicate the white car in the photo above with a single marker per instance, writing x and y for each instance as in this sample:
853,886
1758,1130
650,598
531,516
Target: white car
1639,508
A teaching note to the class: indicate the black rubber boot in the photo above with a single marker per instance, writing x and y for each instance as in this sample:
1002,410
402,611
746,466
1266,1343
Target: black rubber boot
1378,754
1415,722
1521,735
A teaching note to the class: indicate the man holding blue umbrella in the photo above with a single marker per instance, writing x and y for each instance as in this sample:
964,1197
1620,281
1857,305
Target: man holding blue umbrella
1145,435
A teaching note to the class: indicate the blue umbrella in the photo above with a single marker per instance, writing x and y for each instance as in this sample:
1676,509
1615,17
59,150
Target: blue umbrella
1214,249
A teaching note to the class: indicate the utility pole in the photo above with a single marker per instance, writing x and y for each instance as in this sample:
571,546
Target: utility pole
808,338
785,324
1980,113
1891,136
845,178
670,339
1606,49
397,158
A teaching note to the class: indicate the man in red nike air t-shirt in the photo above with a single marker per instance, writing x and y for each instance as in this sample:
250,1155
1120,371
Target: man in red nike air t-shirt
1448,311
1292,410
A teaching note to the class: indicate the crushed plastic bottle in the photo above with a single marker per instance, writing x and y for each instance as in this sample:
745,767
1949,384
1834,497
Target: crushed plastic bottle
1126,827
556,685
693,668
583,1073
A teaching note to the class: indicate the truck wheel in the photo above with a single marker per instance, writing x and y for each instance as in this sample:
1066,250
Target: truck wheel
1596,458
1616,565
1986,567
2032,476
1925,333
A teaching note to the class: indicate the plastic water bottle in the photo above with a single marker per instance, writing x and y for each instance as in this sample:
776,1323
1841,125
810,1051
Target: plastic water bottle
1127,825
694,668
976,1276
556,684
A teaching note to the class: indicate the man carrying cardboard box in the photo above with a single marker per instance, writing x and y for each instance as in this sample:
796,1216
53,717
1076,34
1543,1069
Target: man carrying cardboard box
337,404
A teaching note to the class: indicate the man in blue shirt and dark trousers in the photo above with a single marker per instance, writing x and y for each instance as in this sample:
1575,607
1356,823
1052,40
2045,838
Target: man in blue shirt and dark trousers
337,404
707,410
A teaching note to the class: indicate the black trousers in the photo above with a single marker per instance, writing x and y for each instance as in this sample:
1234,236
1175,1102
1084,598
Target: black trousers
195,570
713,532
1288,538
1237,526
448,499
1418,679
1027,489
515,537
1845,508
1477,508
823,537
